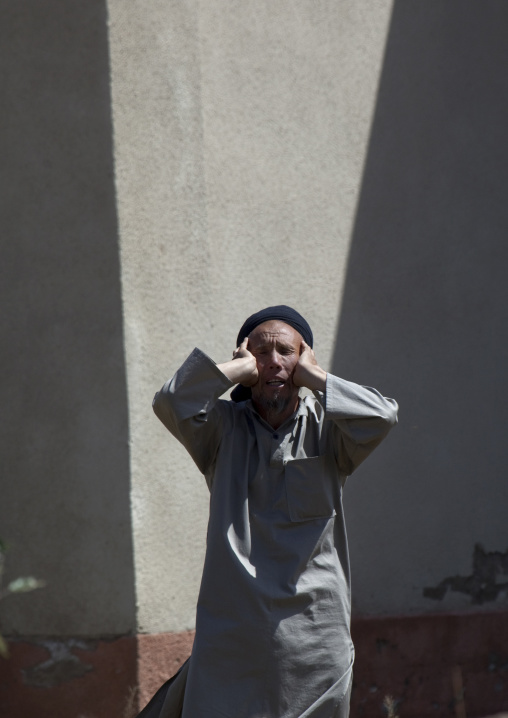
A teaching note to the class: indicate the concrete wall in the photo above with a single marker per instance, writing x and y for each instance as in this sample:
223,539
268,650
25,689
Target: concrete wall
169,168
64,502
425,316
240,136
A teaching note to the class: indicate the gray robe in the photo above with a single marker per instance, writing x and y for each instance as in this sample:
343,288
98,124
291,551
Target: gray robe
273,615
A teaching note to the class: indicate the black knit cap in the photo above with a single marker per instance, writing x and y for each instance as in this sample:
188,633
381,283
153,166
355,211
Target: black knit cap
283,314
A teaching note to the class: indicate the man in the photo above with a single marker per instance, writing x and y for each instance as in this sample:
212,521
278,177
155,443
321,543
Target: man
272,627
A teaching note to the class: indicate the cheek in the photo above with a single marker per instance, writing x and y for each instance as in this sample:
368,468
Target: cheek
260,364
291,364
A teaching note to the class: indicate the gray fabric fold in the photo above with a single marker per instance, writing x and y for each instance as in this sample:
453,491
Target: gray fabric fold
272,622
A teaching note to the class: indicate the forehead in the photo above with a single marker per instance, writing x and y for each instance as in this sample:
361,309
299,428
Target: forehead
275,331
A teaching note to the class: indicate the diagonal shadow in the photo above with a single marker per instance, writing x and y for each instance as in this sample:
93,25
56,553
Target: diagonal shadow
424,315
64,433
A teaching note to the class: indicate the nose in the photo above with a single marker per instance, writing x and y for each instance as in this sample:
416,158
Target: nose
274,359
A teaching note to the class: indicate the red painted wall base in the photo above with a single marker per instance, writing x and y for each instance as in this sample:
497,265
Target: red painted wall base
413,659
62,678
410,658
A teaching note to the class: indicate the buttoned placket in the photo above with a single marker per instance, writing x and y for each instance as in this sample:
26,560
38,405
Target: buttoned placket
281,439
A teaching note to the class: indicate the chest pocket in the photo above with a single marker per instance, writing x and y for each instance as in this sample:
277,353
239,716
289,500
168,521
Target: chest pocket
312,488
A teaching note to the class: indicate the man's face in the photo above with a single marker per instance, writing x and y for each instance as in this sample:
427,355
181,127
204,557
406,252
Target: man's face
276,347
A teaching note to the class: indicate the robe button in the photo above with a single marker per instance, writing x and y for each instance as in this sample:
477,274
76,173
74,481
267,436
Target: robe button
275,436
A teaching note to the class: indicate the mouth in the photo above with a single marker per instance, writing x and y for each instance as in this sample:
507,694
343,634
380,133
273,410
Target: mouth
277,383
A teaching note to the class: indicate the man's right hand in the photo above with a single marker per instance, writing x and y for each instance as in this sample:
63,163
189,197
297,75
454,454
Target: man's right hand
242,369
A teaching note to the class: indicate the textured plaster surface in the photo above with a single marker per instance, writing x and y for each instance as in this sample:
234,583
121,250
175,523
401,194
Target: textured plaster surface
240,136
288,94
166,286
346,157
64,466
424,316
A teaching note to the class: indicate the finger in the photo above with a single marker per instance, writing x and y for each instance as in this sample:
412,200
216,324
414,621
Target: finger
242,347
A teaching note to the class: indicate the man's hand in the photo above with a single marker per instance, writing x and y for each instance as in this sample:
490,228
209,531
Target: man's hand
242,369
307,372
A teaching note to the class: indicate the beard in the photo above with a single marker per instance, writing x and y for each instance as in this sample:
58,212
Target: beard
275,404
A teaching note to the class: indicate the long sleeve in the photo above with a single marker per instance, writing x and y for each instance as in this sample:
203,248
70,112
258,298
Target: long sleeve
362,417
188,407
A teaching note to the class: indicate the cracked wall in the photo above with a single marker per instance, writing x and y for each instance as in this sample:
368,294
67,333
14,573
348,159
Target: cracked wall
61,666
487,583
69,678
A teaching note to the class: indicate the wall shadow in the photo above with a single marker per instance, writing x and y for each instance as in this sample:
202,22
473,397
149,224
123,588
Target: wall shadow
64,432
425,309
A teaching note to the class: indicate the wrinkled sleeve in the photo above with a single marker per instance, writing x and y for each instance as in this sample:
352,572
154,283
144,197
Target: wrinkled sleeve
362,417
188,405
